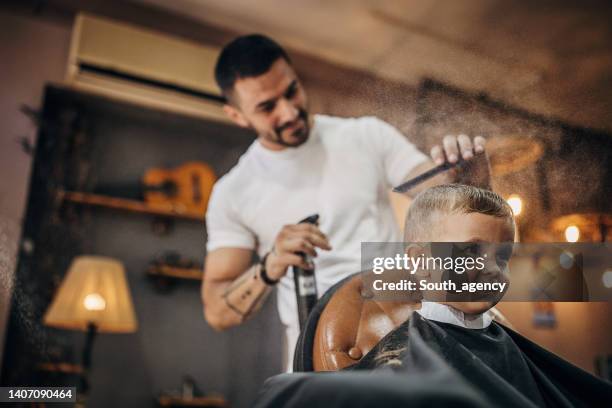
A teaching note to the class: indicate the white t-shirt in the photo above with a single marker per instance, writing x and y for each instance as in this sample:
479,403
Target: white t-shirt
343,172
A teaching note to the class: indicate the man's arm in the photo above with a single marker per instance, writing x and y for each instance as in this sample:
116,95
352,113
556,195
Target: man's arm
232,288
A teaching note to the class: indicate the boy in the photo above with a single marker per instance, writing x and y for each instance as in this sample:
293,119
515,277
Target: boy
497,363
450,353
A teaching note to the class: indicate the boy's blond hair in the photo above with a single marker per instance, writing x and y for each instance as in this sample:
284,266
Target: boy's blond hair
450,199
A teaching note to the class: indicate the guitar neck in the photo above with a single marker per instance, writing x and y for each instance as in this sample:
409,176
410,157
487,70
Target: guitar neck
135,191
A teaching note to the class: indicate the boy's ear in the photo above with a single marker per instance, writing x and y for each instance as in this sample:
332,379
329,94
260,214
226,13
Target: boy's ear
235,115
414,250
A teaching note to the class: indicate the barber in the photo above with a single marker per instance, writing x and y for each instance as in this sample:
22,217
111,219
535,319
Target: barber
299,165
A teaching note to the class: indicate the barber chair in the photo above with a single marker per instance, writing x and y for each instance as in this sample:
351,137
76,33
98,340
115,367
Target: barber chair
344,326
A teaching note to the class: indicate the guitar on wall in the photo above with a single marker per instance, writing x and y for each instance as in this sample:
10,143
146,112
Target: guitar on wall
184,189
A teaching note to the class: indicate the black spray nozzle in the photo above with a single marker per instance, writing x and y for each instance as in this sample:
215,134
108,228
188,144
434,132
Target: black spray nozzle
311,219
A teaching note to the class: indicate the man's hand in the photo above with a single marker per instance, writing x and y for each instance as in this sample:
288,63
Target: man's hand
290,240
475,169
454,147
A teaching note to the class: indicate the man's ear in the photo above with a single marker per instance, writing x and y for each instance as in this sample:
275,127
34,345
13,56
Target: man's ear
235,115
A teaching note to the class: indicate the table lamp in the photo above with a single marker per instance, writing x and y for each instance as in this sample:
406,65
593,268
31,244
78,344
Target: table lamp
93,297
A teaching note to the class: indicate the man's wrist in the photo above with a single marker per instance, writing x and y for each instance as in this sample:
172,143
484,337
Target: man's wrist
263,273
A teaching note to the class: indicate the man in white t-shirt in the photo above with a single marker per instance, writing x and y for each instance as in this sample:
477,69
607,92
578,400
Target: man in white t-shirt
299,165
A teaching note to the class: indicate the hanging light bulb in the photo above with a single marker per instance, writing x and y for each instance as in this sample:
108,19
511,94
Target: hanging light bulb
572,233
516,203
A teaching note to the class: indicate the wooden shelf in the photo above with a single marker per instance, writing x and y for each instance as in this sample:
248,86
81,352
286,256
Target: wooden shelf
212,401
65,368
124,204
176,272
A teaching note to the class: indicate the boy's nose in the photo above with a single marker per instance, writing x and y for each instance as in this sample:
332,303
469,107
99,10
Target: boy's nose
491,268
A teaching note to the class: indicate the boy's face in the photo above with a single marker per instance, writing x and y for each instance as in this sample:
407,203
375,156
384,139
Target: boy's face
474,227
478,229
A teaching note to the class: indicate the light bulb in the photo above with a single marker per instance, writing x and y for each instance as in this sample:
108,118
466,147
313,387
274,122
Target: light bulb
94,301
516,203
572,233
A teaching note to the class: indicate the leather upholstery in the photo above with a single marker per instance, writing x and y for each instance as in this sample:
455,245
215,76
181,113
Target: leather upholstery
350,326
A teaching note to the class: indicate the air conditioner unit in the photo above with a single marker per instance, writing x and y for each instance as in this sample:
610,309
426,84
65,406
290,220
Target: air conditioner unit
144,67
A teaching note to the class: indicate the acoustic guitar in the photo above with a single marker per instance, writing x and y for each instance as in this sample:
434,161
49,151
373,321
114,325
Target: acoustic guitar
183,190
186,188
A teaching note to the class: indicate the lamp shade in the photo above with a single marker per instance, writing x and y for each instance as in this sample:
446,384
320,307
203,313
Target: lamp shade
94,290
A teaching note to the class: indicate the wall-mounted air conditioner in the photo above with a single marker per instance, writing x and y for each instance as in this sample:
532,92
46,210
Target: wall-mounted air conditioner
141,66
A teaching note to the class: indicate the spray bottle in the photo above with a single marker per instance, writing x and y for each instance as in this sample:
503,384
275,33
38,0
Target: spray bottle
305,282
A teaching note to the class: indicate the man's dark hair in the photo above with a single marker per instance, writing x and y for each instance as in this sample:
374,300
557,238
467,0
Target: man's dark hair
246,56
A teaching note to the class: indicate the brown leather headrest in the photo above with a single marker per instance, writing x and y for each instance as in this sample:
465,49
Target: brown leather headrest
350,326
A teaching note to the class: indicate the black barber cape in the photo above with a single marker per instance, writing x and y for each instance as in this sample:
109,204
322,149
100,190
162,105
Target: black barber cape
444,365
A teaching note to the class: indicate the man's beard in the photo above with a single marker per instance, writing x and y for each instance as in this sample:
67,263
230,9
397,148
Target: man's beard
300,135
